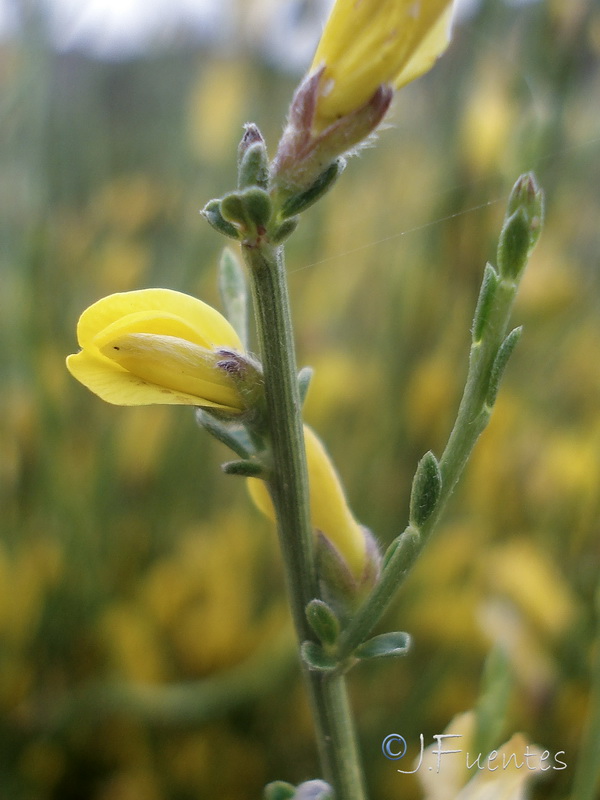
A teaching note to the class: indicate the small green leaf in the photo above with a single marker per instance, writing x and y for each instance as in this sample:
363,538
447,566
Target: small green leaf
426,488
316,658
233,436
514,245
253,162
484,302
287,227
323,621
257,205
500,362
244,467
279,790
234,293
304,379
212,214
387,645
233,209
300,202
408,540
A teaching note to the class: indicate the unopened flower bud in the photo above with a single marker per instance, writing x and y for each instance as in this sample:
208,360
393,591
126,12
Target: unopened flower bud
522,227
348,549
253,162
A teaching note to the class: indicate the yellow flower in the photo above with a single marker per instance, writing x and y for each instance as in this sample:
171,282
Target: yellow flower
368,43
328,507
155,346
450,770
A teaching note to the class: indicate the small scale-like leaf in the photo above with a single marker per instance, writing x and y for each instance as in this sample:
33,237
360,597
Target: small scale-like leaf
303,200
287,227
500,362
234,293
304,379
426,488
244,467
514,245
233,209
323,621
484,302
212,214
316,658
253,167
279,790
257,205
408,541
387,645
232,435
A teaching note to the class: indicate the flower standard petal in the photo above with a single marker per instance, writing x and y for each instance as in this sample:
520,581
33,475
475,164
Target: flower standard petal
212,328
430,49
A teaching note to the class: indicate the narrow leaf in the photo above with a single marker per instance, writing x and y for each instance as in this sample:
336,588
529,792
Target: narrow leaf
323,621
484,302
426,488
212,214
387,645
500,362
300,202
234,293
316,658
279,790
244,467
304,379
235,438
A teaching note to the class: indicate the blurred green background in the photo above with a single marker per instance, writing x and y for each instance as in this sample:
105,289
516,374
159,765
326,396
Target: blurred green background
144,643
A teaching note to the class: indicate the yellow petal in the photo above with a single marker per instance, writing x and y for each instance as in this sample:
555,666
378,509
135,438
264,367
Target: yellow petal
113,384
367,43
328,507
155,346
212,329
430,49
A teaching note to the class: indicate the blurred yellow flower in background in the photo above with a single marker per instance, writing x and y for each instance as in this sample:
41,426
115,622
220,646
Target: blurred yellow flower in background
329,509
367,43
505,776
155,346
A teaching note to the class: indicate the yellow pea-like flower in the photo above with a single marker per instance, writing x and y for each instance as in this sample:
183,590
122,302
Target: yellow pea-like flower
156,346
329,509
369,43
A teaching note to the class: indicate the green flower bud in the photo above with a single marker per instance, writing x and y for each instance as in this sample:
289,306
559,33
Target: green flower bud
522,227
253,161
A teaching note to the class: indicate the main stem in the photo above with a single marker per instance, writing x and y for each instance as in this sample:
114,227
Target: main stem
289,489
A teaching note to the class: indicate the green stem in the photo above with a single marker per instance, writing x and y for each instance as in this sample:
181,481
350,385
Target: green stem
288,486
587,775
338,748
472,418
289,480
